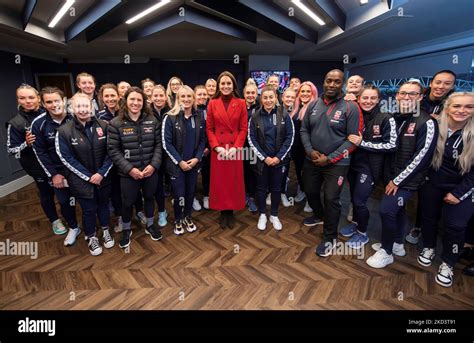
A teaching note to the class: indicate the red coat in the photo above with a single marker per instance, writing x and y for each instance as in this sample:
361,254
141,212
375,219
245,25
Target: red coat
226,128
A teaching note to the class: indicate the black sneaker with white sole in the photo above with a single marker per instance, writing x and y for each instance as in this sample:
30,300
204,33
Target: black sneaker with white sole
426,257
154,233
94,247
125,240
445,275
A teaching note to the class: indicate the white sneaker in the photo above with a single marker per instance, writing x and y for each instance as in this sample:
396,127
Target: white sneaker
380,259
71,236
94,247
205,202
426,257
119,227
307,208
269,200
299,195
350,215
445,275
196,205
397,249
109,241
277,225
285,201
262,222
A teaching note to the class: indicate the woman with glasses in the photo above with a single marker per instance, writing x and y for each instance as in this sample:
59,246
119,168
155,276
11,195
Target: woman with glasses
174,84
417,136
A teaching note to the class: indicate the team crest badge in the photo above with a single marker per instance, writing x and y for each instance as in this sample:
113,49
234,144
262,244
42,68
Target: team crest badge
411,128
99,131
376,129
337,115
340,181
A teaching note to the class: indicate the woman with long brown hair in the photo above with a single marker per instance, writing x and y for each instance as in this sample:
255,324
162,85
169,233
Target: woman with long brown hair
226,130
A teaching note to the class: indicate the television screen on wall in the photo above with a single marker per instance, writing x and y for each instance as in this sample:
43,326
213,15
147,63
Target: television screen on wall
260,77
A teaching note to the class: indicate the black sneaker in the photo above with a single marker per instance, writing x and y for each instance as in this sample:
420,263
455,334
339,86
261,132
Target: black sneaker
313,221
154,233
125,240
189,224
325,248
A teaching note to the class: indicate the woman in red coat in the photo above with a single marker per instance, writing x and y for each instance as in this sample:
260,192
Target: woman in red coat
226,131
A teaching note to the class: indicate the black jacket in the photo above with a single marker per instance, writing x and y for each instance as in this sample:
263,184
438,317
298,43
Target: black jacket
449,176
433,106
134,144
16,142
83,150
379,138
417,137
173,137
271,135
44,127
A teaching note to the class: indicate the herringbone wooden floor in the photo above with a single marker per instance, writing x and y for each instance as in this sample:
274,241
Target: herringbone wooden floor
209,269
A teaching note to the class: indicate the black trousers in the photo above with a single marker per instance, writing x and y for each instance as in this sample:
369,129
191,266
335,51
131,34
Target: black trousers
206,174
130,189
361,186
46,193
269,180
298,155
330,179
455,220
116,195
184,188
249,178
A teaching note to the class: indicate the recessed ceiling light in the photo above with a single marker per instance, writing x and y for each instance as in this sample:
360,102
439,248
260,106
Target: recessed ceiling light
61,13
363,2
147,11
310,13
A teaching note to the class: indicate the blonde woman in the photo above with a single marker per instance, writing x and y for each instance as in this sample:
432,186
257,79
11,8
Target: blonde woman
183,136
448,191
82,147
211,86
174,84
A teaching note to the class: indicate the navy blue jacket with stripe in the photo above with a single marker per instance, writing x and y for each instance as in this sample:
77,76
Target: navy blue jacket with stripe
271,135
448,176
44,128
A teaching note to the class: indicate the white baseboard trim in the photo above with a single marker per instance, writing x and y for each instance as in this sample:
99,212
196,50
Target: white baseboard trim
15,185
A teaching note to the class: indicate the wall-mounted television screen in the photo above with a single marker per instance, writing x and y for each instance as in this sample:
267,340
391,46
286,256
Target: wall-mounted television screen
260,77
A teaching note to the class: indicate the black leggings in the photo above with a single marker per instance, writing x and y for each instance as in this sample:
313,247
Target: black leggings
46,192
116,196
130,189
298,156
